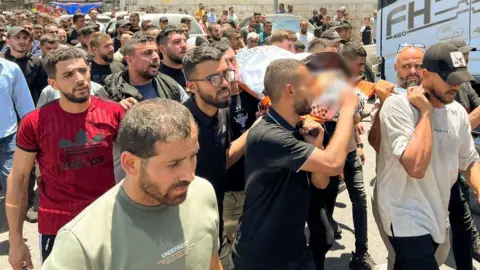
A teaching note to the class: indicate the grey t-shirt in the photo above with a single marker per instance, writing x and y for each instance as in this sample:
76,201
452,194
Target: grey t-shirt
114,232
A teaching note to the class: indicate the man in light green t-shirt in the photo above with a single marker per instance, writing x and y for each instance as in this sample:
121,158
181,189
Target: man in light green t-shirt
148,221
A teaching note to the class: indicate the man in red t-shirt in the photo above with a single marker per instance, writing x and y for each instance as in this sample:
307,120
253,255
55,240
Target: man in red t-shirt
71,139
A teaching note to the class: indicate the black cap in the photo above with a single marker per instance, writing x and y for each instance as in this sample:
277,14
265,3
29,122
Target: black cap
121,23
88,30
324,61
331,34
16,30
163,19
345,25
446,60
334,24
461,45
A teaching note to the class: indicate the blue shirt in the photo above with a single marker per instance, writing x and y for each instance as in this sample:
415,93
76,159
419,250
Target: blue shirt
148,91
15,97
36,51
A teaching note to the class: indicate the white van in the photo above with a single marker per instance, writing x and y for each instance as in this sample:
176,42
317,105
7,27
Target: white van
425,22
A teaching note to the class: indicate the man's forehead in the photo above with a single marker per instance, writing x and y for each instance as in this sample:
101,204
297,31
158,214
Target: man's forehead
70,64
146,46
411,54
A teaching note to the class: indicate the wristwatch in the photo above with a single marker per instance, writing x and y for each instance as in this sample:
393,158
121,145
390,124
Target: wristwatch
360,145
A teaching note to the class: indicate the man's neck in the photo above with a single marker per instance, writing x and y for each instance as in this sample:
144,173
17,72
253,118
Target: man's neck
169,63
287,114
136,80
436,103
100,61
17,55
304,34
204,107
71,107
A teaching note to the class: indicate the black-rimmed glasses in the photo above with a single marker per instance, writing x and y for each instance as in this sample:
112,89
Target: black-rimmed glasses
217,79
408,45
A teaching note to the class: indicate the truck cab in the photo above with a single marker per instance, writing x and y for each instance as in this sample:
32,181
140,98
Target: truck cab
425,22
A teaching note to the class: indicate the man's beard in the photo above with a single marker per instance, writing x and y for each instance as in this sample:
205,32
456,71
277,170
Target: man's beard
150,189
214,101
302,106
304,31
77,100
107,58
442,98
20,50
147,75
405,83
176,59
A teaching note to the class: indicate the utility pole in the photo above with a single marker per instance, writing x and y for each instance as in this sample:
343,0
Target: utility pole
275,6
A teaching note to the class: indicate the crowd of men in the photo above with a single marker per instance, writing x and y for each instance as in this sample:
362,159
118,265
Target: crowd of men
145,146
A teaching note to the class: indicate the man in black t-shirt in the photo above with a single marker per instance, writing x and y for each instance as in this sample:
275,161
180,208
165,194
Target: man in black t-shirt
79,21
279,166
172,43
365,34
103,64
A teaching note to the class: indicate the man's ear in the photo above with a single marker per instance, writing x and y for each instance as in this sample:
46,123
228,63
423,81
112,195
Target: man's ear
192,87
395,66
52,83
288,92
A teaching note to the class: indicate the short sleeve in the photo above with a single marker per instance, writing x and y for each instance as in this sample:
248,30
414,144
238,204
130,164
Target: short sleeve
362,29
26,135
284,150
397,119
67,252
467,154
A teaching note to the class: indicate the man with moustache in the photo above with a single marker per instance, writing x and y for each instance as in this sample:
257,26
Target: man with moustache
75,160
280,164
141,80
172,43
48,43
174,210
425,141
103,64
213,31
209,77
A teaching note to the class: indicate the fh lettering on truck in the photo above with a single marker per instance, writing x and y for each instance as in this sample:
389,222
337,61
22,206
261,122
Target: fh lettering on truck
409,11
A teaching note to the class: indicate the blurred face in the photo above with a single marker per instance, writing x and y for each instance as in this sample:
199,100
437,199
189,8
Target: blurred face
326,19
105,50
466,56
72,79
367,22
51,30
215,32
258,18
216,96
231,60
134,21
253,42
267,28
236,41
304,27
439,88
19,43
163,24
62,36
357,65
189,24
408,67
286,45
303,95
176,48
339,14
125,39
224,18
232,10
28,27
20,17
345,34
93,15
80,22
281,7
122,29
48,47
144,60
290,8
164,178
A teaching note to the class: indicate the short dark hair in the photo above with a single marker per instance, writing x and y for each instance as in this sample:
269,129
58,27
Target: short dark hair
352,50
92,9
163,36
197,56
230,32
210,26
134,15
299,45
60,54
230,8
223,45
77,16
144,23
48,38
320,44
154,121
135,41
97,38
24,21
267,22
37,26
281,34
280,73
185,19
151,31
257,14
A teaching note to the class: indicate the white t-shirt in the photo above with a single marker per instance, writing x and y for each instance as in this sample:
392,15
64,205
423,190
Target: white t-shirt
305,39
415,207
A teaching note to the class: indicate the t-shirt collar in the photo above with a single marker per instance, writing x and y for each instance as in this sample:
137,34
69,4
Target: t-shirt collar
197,113
276,118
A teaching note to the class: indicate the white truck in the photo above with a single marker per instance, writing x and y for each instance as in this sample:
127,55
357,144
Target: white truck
424,22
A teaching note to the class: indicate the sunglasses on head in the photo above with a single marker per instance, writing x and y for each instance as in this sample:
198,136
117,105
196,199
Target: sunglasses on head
403,46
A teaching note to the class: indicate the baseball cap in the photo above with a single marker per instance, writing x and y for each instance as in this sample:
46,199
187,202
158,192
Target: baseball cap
122,23
331,34
345,25
324,61
461,45
88,30
446,60
16,30
163,19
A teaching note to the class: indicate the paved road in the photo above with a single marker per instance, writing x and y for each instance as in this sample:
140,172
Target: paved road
338,258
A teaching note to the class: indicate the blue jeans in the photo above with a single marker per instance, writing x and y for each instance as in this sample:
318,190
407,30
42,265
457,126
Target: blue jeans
7,148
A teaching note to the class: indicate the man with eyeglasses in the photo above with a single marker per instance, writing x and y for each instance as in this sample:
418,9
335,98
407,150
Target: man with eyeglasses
209,78
419,160
172,43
